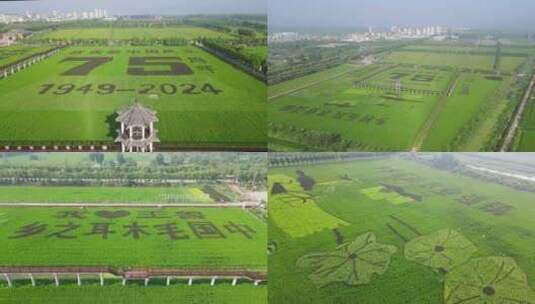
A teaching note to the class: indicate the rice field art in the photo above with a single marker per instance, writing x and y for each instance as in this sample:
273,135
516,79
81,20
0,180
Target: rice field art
410,228
421,96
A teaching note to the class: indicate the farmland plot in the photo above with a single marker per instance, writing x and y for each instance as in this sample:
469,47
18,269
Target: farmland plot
451,238
72,98
126,237
428,97
364,108
13,53
34,194
90,294
185,32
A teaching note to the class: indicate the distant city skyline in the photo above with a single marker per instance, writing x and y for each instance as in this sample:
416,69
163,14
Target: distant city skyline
344,14
125,7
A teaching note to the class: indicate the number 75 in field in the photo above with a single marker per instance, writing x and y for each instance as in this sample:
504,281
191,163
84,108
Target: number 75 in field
137,66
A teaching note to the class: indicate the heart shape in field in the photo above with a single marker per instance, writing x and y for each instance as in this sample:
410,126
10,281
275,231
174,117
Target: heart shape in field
112,214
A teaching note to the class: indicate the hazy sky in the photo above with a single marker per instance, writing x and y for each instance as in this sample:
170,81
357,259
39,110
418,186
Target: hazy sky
350,13
181,7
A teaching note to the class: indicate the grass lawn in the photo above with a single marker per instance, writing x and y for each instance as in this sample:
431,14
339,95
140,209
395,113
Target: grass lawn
204,102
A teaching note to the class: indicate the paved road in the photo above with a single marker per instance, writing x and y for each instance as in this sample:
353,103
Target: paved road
518,117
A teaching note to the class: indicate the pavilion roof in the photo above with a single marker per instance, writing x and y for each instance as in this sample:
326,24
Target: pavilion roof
136,114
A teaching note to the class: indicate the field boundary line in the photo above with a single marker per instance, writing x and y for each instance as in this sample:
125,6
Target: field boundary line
432,118
409,226
518,117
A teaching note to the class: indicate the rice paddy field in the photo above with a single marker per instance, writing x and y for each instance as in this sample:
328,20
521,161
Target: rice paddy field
16,52
241,294
201,102
58,194
526,133
423,97
468,61
159,253
181,238
111,33
394,230
208,238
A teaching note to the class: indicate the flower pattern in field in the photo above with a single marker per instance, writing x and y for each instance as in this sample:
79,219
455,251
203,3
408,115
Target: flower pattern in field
490,280
354,263
441,250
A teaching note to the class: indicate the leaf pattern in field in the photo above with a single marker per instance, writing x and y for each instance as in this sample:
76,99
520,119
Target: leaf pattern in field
441,250
490,280
354,263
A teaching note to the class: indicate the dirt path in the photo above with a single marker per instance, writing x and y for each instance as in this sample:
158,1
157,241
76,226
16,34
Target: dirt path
518,117
432,118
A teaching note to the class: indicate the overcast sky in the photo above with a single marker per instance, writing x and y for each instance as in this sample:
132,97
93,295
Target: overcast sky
510,14
175,7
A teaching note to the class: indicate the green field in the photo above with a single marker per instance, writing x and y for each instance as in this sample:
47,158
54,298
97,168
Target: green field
425,97
176,237
257,51
242,294
455,60
291,85
473,94
467,61
369,119
201,101
413,234
10,54
463,49
285,208
372,116
34,194
527,129
110,33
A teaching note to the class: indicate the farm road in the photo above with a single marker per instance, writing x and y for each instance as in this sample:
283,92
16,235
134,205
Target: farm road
518,117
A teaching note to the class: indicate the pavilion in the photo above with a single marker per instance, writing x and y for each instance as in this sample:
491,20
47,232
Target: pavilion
137,133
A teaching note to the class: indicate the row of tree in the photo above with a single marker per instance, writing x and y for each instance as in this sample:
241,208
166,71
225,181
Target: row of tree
310,158
244,168
237,50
